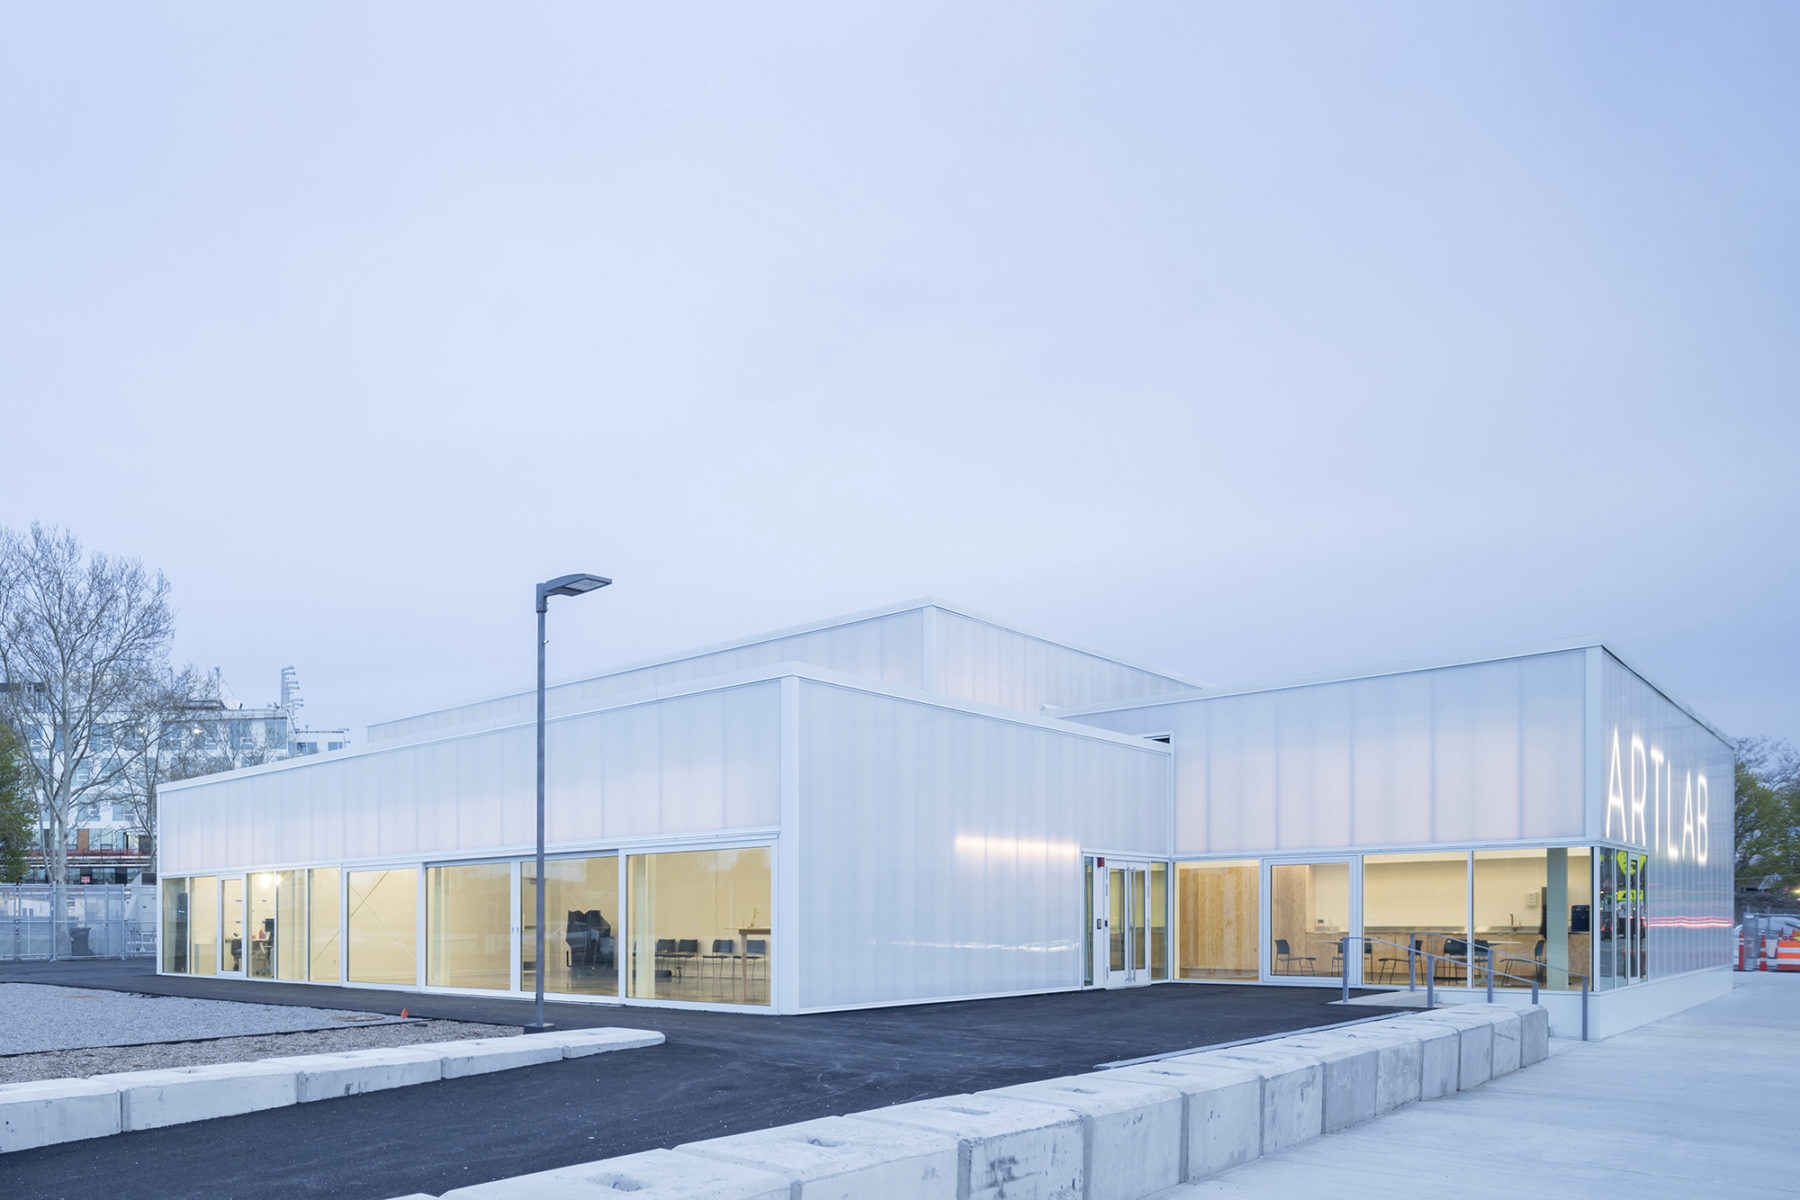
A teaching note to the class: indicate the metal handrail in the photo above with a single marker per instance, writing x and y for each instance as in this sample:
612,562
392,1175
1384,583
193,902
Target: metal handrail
1413,954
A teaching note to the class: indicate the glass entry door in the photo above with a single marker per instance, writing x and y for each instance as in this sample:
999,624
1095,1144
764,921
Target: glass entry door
231,925
1128,917
1311,906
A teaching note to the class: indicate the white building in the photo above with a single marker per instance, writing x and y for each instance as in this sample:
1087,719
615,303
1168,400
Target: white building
919,803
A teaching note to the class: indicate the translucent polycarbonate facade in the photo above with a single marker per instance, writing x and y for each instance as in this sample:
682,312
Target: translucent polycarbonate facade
929,647
1483,752
1666,790
940,851
687,764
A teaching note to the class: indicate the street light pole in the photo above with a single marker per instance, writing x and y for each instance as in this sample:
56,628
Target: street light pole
566,585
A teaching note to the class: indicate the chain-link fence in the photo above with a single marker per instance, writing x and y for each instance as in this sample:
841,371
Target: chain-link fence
93,920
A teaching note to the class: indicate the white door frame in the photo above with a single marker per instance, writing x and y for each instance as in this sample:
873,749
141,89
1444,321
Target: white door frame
1136,876
242,878
1266,954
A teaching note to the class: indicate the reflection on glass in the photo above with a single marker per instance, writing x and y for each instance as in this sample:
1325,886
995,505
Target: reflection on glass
468,925
1610,965
1216,919
699,925
1309,910
323,892
203,924
175,925
1159,921
262,925
1115,919
1531,914
290,924
1087,923
1419,901
581,950
382,943
231,915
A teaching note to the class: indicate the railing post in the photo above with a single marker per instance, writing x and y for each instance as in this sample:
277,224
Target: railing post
1584,996
1412,968
1430,987
1534,999
1344,964
1489,956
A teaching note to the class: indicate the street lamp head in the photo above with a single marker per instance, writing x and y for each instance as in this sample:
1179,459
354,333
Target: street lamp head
570,585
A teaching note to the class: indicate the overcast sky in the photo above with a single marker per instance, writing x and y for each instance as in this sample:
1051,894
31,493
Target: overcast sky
1247,341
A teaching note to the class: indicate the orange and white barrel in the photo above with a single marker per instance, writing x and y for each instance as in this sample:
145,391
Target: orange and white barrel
1787,956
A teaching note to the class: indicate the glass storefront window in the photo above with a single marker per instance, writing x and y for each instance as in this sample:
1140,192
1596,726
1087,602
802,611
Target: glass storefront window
203,924
1216,922
175,925
1158,912
468,926
581,948
290,924
1309,910
231,924
260,961
322,891
1531,915
382,938
699,924
1416,901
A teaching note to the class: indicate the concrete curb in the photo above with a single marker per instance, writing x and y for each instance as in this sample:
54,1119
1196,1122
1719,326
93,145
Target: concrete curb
1116,1134
50,1111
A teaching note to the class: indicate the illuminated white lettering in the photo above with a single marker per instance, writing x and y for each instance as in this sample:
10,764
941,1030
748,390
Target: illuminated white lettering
1640,789
1701,828
1615,791
1687,819
1656,796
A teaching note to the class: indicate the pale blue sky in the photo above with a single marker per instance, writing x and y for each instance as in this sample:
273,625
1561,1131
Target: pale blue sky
1244,340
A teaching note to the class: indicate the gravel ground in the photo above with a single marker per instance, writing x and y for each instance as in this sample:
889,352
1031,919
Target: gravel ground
35,1017
64,1064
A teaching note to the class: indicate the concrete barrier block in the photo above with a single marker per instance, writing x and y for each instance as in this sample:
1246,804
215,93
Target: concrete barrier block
1507,1038
1440,1053
837,1159
1475,1042
1352,1070
1399,1074
1534,1035
1223,1105
650,1175
1006,1148
478,1056
153,1099
579,1043
45,1112
1132,1129
352,1072
1293,1094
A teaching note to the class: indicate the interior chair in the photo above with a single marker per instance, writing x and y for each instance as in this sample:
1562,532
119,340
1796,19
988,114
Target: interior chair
665,956
1285,958
724,950
575,939
1454,971
687,950
756,950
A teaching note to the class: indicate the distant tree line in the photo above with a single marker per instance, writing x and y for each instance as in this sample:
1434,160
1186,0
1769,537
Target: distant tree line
1768,820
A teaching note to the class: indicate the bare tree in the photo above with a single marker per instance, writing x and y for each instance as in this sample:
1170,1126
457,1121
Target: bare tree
82,637
165,739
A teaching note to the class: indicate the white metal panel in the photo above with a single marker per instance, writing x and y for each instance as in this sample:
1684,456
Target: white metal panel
940,850
682,765
889,648
988,664
1670,793
1489,751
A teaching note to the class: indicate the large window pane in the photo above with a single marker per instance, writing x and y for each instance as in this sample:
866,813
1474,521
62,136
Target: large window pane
261,960
581,897
1531,909
322,890
1609,969
290,925
1216,919
175,925
231,924
203,924
383,938
700,926
468,915
1309,910
1159,921
1419,901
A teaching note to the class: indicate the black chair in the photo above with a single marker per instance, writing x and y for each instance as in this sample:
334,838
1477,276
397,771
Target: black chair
1453,971
1284,957
756,950
724,950
575,939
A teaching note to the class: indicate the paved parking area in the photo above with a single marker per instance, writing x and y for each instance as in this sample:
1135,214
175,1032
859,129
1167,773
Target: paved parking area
718,1073
44,1017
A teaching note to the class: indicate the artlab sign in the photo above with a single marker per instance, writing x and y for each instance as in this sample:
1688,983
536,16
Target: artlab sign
1654,803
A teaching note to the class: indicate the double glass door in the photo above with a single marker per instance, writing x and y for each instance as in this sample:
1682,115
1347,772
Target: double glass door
1128,922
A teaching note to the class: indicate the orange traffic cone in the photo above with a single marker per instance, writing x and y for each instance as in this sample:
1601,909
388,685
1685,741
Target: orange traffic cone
403,1014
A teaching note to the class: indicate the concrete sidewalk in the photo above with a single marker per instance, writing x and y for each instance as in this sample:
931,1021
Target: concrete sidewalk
1705,1103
